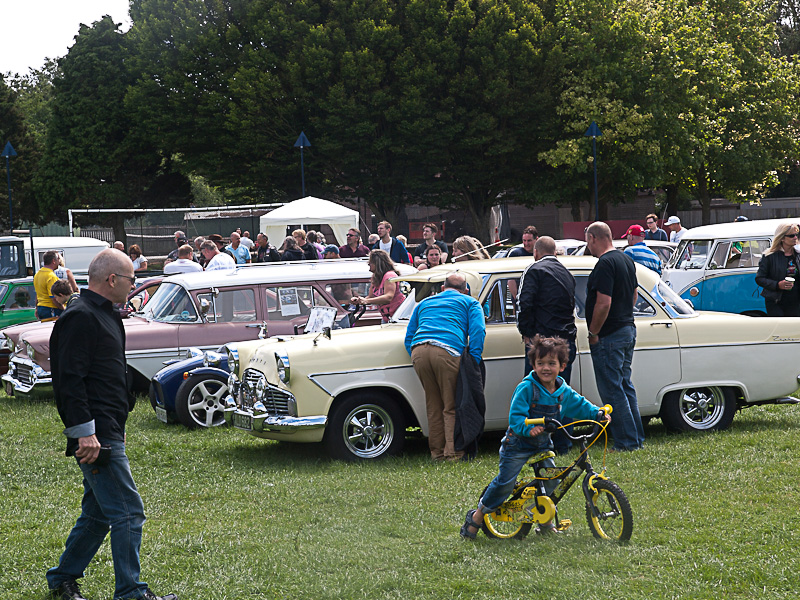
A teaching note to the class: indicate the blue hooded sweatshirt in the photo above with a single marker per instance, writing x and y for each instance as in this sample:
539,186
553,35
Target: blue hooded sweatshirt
573,405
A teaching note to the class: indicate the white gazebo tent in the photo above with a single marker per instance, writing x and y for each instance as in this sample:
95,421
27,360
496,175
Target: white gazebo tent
309,211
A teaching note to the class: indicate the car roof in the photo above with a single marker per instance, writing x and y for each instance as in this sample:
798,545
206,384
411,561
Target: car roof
63,241
282,272
763,227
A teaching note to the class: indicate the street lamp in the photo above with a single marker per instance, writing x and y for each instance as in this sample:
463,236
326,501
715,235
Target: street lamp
594,132
8,152
302,141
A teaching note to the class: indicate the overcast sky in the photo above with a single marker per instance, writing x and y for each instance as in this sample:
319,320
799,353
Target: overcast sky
32,30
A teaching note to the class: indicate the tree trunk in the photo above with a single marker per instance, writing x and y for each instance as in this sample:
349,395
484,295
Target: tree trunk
703,196
672,200
480,217
575,210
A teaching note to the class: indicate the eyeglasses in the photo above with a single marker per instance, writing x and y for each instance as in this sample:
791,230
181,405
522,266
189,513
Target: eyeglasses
351,235
128,277
792,235
650,223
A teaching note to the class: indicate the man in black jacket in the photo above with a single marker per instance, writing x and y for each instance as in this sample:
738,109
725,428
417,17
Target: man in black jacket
90,386
546,306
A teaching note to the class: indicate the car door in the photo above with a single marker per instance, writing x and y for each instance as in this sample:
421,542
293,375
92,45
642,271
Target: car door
19,305
232,317
656,358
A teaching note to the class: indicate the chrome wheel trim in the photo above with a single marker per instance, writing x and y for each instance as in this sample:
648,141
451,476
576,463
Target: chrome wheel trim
702,408
368,431
205,405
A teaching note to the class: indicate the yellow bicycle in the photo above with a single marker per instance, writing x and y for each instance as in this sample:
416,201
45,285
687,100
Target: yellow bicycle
608,511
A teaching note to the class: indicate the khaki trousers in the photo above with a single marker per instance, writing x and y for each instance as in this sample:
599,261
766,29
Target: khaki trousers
437,369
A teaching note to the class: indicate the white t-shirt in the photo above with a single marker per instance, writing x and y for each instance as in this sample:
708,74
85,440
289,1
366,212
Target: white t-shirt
182,265
221,261
137,264
386,247
247,242
675,236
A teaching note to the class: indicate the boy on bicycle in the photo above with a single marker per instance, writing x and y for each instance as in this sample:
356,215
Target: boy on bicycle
542,393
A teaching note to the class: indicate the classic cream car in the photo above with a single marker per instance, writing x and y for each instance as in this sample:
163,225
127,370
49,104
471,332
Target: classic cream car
357,392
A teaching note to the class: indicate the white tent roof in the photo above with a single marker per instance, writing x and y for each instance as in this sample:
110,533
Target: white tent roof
311,211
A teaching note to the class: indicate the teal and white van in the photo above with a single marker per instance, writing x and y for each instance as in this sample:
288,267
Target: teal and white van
715,266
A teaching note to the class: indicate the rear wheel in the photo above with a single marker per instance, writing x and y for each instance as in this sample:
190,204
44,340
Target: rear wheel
699,409
365,426
504,530
199,401
608,512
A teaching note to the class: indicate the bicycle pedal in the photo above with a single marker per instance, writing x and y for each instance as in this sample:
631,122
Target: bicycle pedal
564,524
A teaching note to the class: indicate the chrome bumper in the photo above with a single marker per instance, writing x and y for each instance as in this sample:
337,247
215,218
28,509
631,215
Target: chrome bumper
264,422
26,379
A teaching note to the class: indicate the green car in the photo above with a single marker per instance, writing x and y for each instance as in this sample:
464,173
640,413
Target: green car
17,301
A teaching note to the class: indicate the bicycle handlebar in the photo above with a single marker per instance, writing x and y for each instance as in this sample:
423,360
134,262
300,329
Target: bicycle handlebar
547,421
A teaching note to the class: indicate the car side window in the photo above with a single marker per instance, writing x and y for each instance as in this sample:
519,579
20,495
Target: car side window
231,306
642,308
286,303
500,305
23,296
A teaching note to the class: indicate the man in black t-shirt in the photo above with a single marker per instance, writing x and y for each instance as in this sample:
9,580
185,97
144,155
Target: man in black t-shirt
429,231
610,297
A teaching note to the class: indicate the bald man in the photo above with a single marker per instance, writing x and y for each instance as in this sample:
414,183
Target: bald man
90,386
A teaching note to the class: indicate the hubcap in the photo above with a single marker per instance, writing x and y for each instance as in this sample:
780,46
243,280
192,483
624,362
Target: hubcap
205,403
702,408
368,431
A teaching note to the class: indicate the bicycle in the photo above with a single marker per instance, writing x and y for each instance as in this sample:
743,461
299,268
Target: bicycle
608,511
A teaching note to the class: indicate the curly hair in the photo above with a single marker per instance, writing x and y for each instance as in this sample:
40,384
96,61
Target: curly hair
545,346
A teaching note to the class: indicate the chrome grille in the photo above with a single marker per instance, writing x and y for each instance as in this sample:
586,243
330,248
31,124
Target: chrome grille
23,373
276,400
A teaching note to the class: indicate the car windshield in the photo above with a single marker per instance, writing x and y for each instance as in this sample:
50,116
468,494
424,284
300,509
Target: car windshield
691,254
171,304
671,301
423,289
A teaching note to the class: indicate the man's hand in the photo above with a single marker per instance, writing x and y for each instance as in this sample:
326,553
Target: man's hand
88,449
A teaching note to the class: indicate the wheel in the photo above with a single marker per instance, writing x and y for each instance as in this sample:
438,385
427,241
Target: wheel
699,409
365,426
198,402
504,530
609,513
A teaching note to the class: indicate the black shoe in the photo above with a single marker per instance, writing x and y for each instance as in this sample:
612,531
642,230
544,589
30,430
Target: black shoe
149,595
69,590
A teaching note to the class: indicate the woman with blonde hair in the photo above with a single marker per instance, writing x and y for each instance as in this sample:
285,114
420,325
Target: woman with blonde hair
777,272
384,294
468,248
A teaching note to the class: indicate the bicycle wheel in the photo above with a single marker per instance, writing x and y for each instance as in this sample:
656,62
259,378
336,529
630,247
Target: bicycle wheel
608,512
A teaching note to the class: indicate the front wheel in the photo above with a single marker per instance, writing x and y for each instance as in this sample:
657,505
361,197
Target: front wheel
199,401
608,512
699,409
365,426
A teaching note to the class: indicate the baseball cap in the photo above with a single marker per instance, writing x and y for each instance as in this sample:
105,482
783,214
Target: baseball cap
331,248
636,230
673,220
740,218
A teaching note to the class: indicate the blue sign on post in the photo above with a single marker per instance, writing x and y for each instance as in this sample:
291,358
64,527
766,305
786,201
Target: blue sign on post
8,152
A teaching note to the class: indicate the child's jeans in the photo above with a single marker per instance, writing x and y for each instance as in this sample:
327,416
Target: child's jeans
515,451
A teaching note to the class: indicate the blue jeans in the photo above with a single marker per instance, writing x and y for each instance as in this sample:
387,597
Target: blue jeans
48,312
515,451
611,358
110,501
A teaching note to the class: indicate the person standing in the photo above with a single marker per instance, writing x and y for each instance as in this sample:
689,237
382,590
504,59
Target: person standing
46,307
392,246
216,260
308,250
438,332
429,231
546,307
677,231
777,272
238,250
91,393
639,251
246,241
529,237
265,252
654,232
139,261
610,296
180,240
184,264
383,292
353,248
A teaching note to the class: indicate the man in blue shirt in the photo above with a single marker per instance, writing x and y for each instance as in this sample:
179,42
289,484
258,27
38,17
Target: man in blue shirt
639,251
437,334
654,232
238,250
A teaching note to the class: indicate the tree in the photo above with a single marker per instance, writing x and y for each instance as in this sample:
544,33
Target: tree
95,155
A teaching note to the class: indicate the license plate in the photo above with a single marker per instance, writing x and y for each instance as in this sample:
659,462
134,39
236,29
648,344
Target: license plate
161,414
241,421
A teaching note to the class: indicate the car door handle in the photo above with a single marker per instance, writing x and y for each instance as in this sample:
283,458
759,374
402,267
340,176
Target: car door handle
667,324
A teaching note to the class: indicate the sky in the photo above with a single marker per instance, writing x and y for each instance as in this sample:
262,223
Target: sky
32,30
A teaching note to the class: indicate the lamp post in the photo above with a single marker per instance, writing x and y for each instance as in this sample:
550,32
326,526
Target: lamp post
8,152
302,142
594,132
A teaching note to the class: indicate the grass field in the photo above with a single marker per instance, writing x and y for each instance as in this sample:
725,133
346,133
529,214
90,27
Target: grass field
233,517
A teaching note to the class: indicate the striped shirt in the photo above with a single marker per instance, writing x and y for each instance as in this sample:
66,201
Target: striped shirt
641,254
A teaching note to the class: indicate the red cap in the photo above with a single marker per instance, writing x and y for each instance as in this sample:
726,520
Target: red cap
636,230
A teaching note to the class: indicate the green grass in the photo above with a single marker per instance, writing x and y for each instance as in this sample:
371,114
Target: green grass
234,517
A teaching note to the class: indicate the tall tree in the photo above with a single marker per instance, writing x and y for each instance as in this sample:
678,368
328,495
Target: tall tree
95,157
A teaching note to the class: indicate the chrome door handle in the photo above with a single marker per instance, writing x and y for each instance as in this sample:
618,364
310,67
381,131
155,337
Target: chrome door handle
667,324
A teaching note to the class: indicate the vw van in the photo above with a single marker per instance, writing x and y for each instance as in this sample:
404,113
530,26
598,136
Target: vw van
715,266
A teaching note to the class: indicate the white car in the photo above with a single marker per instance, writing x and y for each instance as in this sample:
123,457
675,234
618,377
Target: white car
356,390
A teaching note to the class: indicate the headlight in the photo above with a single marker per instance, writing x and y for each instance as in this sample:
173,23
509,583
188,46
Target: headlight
233,358
6,343
284,370
211,359
30,351
233,385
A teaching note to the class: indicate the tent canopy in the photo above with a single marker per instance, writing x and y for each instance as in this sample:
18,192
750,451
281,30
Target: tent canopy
309,211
